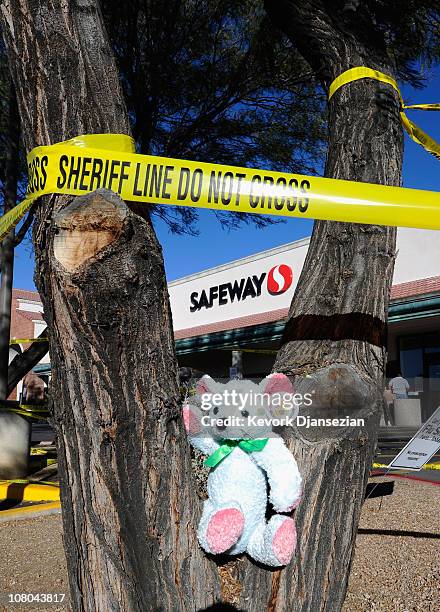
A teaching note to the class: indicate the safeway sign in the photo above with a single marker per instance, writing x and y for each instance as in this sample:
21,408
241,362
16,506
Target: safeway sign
235,292
259,288
421,448
278,280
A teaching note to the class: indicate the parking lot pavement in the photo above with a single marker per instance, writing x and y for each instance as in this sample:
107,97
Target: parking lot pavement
395,569
42,432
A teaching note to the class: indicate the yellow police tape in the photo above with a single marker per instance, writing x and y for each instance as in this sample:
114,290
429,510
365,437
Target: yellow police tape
416,133
38,457
427,466
38,451
33,412
29,490
85,163
25,481
26,340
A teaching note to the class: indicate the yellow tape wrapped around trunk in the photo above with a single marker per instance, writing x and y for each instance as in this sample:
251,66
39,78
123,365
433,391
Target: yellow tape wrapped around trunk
413,130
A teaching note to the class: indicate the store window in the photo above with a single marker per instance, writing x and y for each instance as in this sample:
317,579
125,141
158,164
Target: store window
419,364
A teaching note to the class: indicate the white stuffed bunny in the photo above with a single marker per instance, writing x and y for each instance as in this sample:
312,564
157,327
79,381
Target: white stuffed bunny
244,453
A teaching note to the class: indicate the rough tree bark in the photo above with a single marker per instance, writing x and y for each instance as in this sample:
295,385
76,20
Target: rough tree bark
129,512
334,341
24,362
10,375
7,245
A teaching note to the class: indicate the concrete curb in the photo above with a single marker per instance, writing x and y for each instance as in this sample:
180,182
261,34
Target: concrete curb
29,492
405,476
427,466
28,512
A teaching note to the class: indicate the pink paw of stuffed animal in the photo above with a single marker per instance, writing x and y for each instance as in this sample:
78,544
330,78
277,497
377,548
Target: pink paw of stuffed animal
244,455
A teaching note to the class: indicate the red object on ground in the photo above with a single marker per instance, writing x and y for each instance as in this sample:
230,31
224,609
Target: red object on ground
378,473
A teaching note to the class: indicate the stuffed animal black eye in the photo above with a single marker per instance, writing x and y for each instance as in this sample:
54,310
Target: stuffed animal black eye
215,411
245,413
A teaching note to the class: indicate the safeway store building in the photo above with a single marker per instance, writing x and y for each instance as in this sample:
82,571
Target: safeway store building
242,306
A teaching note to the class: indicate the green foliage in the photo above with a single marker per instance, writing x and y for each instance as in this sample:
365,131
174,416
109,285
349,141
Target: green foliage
4,119
8,130
412,34
409,31
212,81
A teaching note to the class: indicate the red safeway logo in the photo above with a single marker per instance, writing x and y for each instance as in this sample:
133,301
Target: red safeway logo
279,279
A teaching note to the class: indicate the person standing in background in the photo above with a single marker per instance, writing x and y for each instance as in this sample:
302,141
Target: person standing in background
388,407
33,389
399,387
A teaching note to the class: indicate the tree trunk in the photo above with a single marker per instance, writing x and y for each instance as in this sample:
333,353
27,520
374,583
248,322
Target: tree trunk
7,245
7,275
24,362
334,342
129,511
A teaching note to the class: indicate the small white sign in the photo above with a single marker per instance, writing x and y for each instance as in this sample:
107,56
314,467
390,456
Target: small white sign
421,448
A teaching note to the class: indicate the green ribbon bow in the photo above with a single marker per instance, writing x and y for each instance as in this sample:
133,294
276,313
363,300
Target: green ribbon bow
227,446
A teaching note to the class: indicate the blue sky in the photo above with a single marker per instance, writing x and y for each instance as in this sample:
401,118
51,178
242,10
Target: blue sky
186,254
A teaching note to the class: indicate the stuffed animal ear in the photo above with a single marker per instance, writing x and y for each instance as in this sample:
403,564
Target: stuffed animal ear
191,420
277,383
205,385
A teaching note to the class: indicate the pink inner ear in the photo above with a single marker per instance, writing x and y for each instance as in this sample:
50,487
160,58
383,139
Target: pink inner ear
202,386
278,383
190,420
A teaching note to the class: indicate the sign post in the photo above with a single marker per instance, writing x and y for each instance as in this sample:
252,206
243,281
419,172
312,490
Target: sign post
421,447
